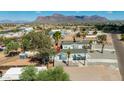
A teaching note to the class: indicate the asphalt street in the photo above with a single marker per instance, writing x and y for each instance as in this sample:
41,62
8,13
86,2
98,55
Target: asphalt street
119,47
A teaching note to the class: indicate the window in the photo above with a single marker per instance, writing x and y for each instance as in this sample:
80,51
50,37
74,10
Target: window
64,47
62,57
75,46
74,57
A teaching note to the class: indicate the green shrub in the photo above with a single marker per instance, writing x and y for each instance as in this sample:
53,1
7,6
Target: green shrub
56,74
29,73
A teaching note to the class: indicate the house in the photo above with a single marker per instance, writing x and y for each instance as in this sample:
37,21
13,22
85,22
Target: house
77,51
21,32
74,45
90,32
14,73
63,32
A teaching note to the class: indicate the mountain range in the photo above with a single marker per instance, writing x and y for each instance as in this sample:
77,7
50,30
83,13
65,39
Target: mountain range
59,18
17,21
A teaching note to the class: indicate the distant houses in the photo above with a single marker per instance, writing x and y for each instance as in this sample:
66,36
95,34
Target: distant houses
78,48
20,32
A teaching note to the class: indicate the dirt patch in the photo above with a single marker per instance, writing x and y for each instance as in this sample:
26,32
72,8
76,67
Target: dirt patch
93,73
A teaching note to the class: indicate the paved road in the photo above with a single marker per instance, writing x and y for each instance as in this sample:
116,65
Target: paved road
119,47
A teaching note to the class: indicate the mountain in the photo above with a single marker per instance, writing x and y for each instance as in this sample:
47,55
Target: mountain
59,18
5,21
17,21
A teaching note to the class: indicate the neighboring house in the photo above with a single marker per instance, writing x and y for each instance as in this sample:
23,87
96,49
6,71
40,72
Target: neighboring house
27,29
77,51
14,73
21,32
90,32
74,45
26,54
92,36
63,32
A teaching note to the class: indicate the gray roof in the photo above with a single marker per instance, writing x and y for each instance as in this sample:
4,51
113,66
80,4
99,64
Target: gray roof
77,42
74,50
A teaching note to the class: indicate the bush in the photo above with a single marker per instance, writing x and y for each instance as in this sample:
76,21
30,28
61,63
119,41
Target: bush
56,74
30,73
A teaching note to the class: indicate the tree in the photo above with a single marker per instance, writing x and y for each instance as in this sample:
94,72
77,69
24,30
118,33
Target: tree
29,73
55,74
57,36
25,43
74,38
8,40
74,29
101,39
40,42
90,43
68,54
82,29
95,32
121,28
78,34
1,40
84,34
1,27
122,37
12,46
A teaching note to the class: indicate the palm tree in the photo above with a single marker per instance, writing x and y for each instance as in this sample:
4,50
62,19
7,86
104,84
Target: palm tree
57,36
95,32
68,54
74,38
90,44
102,40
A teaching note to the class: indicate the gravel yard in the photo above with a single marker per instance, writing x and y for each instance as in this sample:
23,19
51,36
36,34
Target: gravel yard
93,73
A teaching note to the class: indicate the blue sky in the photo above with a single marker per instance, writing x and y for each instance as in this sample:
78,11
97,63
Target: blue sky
32,15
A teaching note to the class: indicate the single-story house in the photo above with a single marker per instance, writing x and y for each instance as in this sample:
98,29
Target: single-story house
26,54
14,73
77,51
75,55
74,45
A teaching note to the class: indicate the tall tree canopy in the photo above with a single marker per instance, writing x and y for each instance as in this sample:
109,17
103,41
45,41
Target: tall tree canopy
57,36
38,41
11,46
101,39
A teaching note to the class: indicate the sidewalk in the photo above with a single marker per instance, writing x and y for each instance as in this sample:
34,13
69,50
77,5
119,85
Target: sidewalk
106,49
102,60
